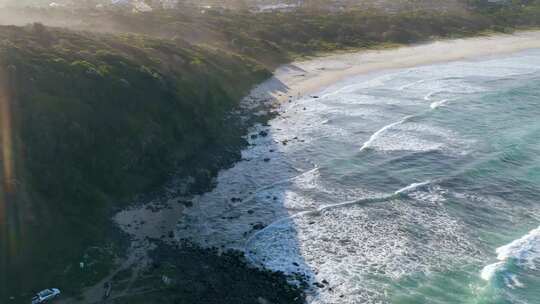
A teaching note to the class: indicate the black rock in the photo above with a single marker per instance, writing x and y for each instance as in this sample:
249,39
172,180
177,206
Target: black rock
263,133
186,203
267,159
258,226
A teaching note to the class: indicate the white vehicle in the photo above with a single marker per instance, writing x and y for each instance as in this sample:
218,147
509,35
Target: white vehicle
46,295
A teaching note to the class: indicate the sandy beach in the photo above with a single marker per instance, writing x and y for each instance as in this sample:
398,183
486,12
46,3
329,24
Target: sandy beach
308,76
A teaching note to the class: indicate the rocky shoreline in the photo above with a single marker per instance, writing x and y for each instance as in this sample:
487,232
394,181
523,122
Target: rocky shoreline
160,268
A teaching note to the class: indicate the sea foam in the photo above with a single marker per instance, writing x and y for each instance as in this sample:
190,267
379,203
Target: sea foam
524,251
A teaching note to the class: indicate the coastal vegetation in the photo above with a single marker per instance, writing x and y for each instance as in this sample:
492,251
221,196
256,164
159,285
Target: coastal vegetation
98,118
122,102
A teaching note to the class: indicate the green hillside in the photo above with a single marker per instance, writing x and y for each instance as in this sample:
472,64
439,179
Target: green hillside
99,118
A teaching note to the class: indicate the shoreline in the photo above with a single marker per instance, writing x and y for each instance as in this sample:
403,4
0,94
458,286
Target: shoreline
153,221
308,76
303,78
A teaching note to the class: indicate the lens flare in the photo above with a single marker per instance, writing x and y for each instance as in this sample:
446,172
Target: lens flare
8,239
5,131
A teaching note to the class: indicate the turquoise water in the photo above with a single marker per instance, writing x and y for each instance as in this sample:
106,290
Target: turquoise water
493,190
407,186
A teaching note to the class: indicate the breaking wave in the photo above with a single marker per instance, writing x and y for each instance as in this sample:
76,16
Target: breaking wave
524,252
380,132
397,194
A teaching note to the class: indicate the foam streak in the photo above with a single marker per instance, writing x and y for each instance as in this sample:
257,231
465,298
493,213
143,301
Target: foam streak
377,134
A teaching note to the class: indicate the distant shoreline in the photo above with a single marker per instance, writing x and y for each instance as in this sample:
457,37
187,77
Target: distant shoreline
305,77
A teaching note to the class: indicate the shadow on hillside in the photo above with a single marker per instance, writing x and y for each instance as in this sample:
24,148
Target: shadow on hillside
240,211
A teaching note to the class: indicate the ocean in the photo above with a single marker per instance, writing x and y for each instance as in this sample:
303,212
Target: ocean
418,185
